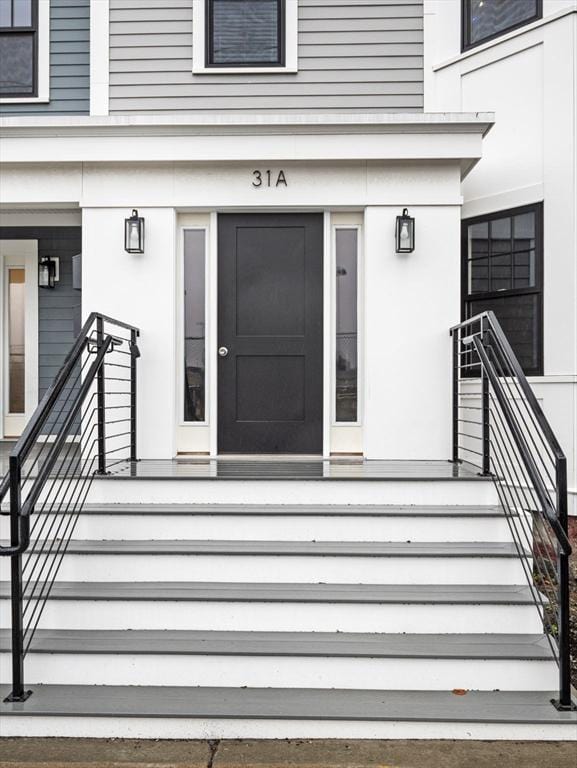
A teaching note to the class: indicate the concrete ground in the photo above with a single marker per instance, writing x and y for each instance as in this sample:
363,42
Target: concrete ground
118,753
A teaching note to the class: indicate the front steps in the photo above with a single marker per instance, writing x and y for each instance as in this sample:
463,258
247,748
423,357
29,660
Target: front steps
323,618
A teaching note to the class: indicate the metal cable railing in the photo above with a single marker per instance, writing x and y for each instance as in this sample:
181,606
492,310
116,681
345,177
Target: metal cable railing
84,425
498,426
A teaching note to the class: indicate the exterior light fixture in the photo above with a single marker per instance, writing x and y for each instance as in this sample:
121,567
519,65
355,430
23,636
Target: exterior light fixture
47,272
405,233
134,233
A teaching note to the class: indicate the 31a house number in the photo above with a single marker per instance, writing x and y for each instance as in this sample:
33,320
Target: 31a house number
269,179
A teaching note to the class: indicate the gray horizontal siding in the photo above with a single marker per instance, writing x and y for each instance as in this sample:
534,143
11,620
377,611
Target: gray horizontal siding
354,55
69,62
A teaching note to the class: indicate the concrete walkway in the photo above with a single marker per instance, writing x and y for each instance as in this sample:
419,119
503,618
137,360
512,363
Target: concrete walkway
117,753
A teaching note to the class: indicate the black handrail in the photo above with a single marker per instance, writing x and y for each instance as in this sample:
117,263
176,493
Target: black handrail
65,443
509,438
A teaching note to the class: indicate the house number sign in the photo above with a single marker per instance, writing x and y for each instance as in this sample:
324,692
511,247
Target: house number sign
269,179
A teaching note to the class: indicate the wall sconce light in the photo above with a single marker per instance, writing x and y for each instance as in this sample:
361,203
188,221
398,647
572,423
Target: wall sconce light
48,272
134,233
405,233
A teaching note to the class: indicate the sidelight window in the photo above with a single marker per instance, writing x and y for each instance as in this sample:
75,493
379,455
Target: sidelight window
346,342
487,19
18,48
502,272
194,325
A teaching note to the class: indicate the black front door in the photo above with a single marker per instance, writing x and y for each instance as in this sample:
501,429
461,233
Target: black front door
270,317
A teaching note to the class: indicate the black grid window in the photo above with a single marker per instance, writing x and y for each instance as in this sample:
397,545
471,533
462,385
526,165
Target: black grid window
18,48
503,272
484,20
245,33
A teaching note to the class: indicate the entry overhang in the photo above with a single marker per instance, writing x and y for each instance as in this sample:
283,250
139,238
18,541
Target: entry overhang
455,137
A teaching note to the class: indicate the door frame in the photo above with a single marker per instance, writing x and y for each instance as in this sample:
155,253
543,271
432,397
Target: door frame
24,254
202,437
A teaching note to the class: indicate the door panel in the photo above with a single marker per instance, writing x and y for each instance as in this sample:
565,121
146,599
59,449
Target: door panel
270,384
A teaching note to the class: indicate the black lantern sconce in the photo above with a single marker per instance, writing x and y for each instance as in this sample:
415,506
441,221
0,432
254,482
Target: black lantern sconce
134,233
47,272
405,233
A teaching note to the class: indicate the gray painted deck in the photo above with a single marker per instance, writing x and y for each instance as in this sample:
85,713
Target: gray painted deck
290,548
292,704
69,63
322,644
238,592
352,57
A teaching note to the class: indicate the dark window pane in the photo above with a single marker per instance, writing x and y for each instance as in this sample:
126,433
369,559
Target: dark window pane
346,325
245,32
16,340
478,235
5,13
524,269
479,276
16,63
519,317
501,235
194,325
22,13
524,232
489,17
501,277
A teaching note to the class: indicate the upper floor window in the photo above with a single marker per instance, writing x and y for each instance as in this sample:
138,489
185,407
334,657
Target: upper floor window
245,33
18,47
244,36
503,272
486,19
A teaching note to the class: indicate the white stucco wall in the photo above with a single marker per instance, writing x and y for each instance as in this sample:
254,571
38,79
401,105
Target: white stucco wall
529,78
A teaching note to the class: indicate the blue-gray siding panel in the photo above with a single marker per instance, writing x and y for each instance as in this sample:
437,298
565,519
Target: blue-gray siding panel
361,55
69,62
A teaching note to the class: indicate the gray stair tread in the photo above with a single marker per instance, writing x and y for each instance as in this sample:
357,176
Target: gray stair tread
299,510
331,644
288,593
290,548
289,704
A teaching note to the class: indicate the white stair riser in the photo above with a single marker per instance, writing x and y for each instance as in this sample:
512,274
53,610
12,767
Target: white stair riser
290,528
118,491
286,672
215,728
289,617
286,569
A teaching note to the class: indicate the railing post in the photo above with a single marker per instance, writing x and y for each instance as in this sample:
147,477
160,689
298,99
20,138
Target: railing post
133,358
486,412
18,693
564,702
456,337
100,401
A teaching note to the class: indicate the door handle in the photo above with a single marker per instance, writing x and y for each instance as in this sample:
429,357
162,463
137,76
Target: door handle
222,351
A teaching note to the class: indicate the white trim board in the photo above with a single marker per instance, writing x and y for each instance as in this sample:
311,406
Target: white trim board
99,56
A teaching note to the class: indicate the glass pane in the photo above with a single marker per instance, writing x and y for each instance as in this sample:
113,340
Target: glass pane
194,325
501,235
489,17
519,316
16,63
245,32
478,275
524,232
524,269
478,235
501,277
16,320
5,13
22,13
346,326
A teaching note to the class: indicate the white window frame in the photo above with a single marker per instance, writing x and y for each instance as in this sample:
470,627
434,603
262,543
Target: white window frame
199,44
43,63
